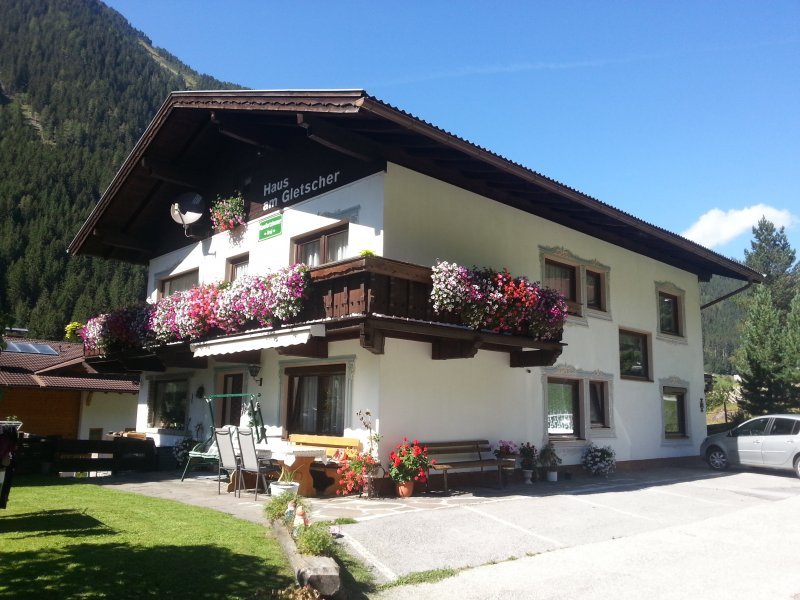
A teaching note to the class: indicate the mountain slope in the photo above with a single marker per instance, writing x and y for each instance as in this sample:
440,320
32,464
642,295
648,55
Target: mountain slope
78,85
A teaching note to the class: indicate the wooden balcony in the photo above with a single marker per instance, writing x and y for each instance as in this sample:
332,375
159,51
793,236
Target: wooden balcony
367,298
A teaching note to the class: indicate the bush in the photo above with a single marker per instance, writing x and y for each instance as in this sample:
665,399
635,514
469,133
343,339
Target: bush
599,460
316,540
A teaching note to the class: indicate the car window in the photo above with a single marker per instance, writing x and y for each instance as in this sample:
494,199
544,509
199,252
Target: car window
782,426
754,427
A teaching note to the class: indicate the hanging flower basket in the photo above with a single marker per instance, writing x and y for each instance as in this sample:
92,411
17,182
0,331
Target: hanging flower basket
228,213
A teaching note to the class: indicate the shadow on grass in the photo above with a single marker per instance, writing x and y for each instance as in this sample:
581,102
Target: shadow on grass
66,523
127,571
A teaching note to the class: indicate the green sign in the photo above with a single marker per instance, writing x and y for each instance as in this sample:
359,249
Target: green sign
270,227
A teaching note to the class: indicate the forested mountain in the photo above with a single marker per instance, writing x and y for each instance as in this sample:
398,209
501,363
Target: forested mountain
721,323
78,85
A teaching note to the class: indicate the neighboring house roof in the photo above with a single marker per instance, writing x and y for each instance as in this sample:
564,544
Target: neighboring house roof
64,369
183,141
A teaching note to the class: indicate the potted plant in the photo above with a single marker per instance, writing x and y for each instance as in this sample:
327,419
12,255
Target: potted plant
407,464
228,213
529,455
549,461
285,483
598,460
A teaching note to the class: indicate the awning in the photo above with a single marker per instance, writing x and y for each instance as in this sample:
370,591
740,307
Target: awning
257,340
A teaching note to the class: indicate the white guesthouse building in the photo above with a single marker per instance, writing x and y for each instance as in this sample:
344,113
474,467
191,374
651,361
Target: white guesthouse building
327,176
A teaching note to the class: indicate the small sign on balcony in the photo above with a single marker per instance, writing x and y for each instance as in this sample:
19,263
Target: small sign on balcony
270,227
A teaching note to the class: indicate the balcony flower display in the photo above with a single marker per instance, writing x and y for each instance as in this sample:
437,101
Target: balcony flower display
228,213
201,311
118,330
504,449
497,301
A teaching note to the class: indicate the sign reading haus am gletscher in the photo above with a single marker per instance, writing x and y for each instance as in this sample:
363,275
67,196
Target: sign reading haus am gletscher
297,177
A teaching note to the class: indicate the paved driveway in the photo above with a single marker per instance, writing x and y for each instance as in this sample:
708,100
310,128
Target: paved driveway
669,533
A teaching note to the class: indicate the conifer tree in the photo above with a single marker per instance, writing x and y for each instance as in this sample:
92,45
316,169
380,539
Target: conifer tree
762,358
771,254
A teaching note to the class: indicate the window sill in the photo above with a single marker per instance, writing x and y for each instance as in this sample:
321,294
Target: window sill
597,313
676,440
603,432
671,338
635,378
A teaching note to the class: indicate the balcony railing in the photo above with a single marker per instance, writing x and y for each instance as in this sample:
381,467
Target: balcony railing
367,298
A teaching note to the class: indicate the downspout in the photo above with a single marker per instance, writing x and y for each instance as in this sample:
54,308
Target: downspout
726,296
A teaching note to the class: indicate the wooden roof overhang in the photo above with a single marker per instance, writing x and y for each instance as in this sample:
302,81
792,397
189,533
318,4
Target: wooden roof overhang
194,132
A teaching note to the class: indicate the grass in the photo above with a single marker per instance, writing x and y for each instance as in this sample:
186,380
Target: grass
431,576
66,538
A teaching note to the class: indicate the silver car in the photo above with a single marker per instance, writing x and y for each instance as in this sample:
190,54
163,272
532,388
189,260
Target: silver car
771,441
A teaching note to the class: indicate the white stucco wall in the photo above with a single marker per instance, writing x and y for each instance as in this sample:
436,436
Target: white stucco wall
408,216
109,411
210,256
426,220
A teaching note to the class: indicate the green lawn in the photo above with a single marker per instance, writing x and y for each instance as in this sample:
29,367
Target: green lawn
62,538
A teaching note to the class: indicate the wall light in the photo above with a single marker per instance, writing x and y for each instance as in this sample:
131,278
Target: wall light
254,370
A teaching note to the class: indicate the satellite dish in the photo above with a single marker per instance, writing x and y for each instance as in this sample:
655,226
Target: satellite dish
187,208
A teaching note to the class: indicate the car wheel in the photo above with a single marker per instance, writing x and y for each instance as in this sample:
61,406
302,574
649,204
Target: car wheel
716,458
797,466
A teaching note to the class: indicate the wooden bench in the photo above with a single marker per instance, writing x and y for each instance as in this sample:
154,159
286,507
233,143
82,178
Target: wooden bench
462,454
334,446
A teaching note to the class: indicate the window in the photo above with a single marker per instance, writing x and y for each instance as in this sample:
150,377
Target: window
167,404
583,283
595,290
782,426
179,283
669,314
754,427
578,404
670,304
634,355
328,245
599,415
563,407
237,267
228,411
316,399
563,278
674,408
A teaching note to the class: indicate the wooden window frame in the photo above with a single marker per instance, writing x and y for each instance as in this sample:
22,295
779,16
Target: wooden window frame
648,354
606,407
574,305
322,235
163,281
578,428
678,313
683,422
324,369
602,289
234,262
151,400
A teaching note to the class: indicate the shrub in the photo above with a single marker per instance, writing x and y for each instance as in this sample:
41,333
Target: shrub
599,460
275,509
316,540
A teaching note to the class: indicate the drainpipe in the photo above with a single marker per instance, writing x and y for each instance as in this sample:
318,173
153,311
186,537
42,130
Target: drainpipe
726,296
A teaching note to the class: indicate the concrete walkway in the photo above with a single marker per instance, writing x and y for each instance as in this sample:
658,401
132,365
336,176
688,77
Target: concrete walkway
664,533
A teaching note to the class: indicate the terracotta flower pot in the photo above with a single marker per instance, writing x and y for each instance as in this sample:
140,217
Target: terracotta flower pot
405,489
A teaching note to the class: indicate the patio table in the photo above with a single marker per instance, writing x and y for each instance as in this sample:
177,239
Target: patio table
298,459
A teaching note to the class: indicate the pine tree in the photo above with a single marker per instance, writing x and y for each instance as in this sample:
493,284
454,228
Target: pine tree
763,360
771,254
792,333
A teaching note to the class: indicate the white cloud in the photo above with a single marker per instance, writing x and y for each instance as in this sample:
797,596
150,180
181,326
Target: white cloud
718,227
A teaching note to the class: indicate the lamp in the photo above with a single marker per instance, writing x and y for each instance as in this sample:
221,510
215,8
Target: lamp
254,370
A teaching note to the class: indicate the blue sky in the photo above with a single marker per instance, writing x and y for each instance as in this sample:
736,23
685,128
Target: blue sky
683,113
